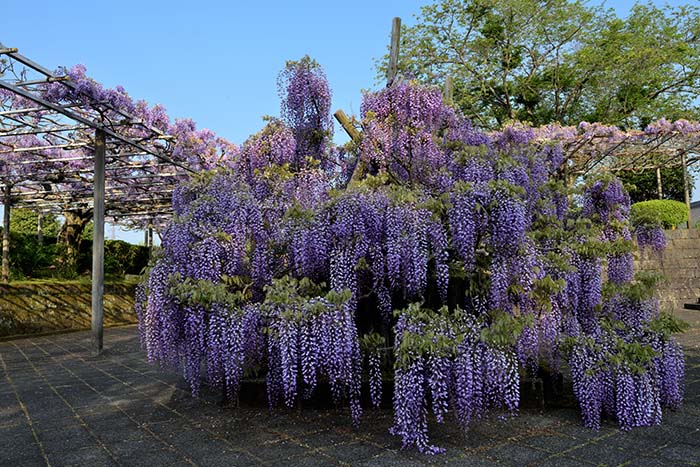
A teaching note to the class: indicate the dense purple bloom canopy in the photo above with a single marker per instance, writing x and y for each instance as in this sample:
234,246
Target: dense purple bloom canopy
463,255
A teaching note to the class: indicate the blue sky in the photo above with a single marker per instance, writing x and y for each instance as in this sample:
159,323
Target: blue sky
213,61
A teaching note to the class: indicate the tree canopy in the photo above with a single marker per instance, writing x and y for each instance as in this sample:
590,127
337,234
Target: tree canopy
541,61
25,222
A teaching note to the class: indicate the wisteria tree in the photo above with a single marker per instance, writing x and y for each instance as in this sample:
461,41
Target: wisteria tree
462,258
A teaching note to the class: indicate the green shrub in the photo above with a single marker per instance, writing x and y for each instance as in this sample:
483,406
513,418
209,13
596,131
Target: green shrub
28,258
120,257
664,212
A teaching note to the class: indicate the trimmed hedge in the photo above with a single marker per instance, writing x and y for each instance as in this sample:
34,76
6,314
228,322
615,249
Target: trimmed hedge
664,212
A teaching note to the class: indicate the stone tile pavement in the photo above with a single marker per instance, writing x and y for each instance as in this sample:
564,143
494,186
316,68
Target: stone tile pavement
61,406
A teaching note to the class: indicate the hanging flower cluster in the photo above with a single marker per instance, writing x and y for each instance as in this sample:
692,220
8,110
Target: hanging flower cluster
450,361
624,364
275,266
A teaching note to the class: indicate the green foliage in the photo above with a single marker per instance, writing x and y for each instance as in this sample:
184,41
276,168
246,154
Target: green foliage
290,291
642,185
430,337
371,342
24,222
633,355
31,259
667,324
504,329
232,292
88,232
439,333
560,61
124,258
545,288
28,258
663,212
642,288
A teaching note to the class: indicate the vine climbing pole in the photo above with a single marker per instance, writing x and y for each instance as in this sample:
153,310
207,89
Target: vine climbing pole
6,200
98,241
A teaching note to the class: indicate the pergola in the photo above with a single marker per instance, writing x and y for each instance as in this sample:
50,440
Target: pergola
593,147
84,154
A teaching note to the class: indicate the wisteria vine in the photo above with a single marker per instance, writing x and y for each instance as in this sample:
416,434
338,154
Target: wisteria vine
466,253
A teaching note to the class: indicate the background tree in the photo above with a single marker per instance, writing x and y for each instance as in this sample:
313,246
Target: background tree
558,60
24,221
643,186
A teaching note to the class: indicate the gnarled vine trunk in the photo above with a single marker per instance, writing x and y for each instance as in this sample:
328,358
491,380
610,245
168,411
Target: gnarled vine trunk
71,236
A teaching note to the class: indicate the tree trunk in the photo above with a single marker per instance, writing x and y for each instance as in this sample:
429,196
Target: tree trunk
71,236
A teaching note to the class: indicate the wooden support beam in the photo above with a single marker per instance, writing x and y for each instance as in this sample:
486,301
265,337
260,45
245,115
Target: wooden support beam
394,51
347,125
448,91
659,187
355,136
98,241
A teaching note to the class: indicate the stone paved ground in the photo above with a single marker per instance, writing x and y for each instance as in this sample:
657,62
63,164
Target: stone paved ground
59,405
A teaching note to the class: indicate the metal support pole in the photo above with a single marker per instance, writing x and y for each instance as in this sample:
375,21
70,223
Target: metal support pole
6,233
659,188
98,241
686,187
394,51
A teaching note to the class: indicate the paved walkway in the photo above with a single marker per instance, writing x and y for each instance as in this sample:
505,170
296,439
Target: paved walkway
61,406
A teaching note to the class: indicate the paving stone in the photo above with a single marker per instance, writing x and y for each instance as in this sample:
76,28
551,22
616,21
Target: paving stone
602,453
644,461
389,459
313,460
85,456
465,461
226,459
562,461
280,450
145,415
352,452
513,454
680,453
147,458
551,443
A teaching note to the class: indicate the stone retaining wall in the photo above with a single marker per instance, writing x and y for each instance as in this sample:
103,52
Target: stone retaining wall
680,265
50,306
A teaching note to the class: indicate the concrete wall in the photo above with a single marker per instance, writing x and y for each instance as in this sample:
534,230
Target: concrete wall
49,306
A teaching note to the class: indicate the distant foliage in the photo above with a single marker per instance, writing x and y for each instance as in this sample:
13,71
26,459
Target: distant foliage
643,185
26,222
461,255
